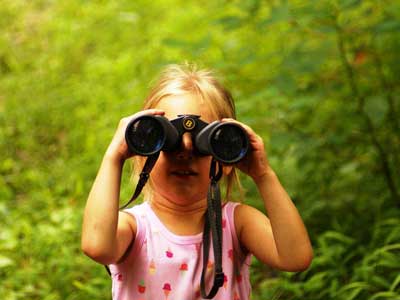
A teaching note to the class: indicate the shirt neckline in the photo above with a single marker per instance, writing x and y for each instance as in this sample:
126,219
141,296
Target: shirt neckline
178,239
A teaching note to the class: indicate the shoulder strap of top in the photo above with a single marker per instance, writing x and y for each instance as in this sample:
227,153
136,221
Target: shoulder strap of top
138,212
229,213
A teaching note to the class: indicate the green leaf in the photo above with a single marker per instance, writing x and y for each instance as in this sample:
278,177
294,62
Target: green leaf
175,43
376,108
279,13
386,295
317,281
387,26
338,237
346,4
395,283
5,261
379,282
230,22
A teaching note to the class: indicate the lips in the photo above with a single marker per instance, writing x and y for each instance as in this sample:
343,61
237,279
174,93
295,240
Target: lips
184,172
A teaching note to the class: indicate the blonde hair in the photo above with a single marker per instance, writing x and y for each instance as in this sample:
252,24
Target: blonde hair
188,79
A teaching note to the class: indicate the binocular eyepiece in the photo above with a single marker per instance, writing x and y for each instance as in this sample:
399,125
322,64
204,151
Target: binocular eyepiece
227,142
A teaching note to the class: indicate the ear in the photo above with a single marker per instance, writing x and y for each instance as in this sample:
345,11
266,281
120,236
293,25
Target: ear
226,170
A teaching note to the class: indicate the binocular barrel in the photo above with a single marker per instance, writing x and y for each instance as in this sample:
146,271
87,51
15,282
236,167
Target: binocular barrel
147,135
227,142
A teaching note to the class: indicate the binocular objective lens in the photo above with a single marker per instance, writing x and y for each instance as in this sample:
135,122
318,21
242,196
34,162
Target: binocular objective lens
229,143
146,136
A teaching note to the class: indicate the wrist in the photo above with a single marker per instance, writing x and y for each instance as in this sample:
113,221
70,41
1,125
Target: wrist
114,158
266,176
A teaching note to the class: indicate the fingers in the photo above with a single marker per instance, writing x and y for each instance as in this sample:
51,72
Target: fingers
152,111
245,127
256,162
253,136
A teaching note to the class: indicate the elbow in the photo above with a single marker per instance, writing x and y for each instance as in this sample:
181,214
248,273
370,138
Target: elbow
302,263
97,253
299,262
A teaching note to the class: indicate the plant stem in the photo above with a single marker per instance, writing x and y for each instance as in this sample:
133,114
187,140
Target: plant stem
385,165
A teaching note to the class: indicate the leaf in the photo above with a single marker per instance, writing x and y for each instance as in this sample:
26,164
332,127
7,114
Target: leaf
339,237
5,261
282,141
386,295
376,107
230,22
279,13
395,283
90,289
388,26
353,285
175,43
388,248
317,281
349,168
379,281
351,290
346,4
7,165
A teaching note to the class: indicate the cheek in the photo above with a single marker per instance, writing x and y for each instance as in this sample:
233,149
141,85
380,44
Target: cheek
158,171
205,164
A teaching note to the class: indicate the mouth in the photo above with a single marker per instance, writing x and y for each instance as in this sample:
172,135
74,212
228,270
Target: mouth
184,173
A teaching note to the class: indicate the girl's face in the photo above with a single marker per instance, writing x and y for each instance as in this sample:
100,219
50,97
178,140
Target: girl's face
181,177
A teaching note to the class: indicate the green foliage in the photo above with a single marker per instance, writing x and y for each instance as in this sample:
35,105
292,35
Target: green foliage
318,80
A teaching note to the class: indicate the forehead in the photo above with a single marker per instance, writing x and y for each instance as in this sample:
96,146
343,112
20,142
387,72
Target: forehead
175,105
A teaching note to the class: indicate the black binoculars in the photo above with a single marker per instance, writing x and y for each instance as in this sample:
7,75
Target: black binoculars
226,142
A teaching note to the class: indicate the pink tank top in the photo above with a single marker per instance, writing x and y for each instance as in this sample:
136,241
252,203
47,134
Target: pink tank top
163,266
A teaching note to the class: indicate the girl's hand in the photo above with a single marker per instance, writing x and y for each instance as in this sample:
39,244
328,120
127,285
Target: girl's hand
118,148
255,163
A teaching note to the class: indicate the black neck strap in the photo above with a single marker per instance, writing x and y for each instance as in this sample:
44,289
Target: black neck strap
143,177
213,225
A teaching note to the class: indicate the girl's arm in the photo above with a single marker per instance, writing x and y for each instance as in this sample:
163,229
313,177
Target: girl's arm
106,232
281,240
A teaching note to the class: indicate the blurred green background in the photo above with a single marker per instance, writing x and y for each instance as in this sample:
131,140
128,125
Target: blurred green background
319,80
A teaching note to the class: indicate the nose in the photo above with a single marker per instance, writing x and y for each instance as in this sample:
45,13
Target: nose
186,149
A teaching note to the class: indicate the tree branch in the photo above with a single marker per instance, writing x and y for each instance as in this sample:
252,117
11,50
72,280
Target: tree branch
392,113
385,164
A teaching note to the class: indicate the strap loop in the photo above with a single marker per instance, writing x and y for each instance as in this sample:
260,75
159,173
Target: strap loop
213,225
219,279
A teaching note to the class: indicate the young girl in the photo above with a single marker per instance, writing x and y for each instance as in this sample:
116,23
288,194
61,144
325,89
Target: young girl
154,249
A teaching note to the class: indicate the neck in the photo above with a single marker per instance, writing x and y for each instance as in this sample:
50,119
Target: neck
162,204
179,218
